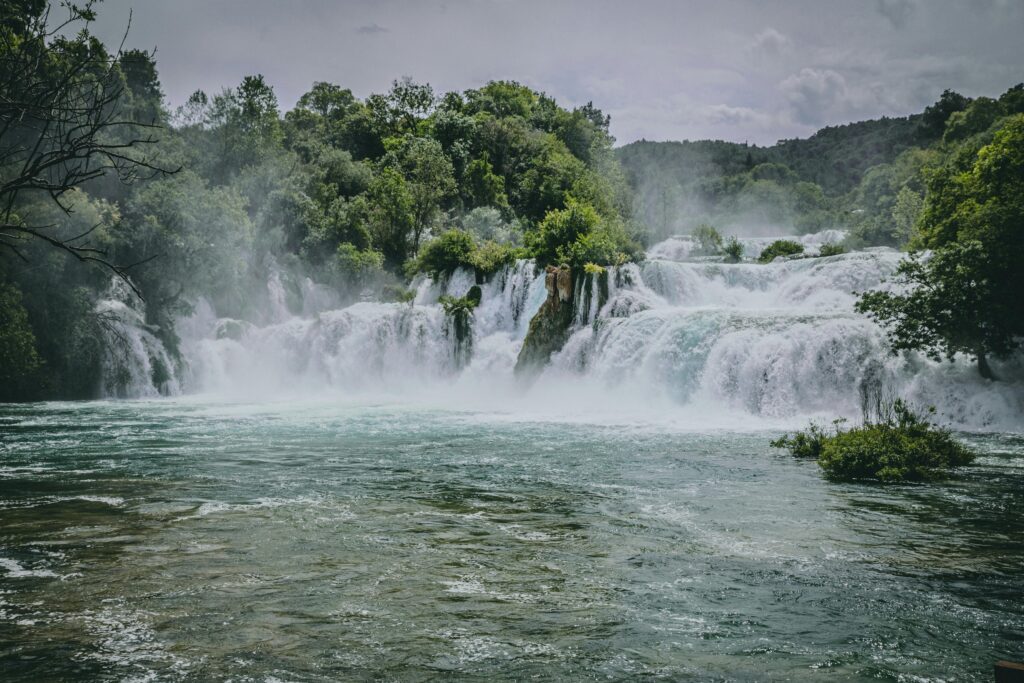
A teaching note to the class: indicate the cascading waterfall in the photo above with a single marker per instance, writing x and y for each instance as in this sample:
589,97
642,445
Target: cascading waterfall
135,363
775,341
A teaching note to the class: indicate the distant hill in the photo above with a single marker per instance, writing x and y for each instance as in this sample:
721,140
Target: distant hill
799,183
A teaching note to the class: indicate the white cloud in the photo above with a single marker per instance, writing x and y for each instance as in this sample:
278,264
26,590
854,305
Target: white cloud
770,43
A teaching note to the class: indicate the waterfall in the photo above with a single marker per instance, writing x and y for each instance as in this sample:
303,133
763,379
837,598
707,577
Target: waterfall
772,341
135,363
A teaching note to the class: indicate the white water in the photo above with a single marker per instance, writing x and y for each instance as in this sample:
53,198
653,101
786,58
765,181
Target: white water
693,342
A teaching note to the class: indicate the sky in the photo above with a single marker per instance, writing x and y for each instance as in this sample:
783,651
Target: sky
740,70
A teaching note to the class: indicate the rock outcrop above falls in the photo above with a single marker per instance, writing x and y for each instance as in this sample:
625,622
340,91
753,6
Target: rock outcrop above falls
550,327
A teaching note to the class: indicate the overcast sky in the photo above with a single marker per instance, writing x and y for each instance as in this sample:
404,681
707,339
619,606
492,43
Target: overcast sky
755,70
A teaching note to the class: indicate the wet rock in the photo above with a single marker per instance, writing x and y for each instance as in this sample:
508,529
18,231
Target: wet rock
550,327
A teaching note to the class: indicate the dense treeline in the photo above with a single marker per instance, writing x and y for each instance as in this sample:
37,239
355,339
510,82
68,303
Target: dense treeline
356,194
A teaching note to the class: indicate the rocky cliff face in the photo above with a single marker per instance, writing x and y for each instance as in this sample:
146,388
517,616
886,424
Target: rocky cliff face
550,327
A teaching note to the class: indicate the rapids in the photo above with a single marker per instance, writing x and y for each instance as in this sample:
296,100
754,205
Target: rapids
679,338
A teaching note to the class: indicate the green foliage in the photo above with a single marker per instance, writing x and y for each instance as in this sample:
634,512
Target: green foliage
905,214
780,248
830,249
562,227
390,216
454,305
804,444
733,250
933,121
481,186
951,306
578,234
488,257
456,248
428,178
593,269
899,446
486,223
449,251
965,298
976,118
398,294
19,360
357,265
709,242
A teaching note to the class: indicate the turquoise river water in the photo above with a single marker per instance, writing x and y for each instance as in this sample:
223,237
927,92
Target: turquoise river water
193,539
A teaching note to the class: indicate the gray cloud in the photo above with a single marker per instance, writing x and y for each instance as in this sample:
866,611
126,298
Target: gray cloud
770,43
371,29
898,12
814,92
663,69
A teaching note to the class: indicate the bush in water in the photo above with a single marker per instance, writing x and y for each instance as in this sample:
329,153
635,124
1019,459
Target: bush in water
898,445
780,248
733,250
709,242
830,249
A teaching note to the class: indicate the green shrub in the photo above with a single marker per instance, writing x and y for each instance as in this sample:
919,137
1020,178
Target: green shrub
709,242
454,305
561,228
733,250
451,250
899,445
807,444
830,249
600,246
459,311
356,264
490,256
578,234
780,248
398,294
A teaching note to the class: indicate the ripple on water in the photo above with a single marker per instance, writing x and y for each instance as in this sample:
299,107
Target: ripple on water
346,542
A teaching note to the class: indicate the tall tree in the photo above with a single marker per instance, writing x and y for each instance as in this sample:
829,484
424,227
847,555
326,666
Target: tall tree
60,123
967,297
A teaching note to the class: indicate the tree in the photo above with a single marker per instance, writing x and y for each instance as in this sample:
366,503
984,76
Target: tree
481,186
143,83
965,298
905,214
18,358
401,109
60,124
933,121
562,227
976,118
246,121
390,217
429,179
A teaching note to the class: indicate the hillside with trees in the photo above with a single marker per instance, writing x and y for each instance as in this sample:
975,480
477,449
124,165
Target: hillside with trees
869,177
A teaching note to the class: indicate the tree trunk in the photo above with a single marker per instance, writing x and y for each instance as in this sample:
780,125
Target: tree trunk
983,367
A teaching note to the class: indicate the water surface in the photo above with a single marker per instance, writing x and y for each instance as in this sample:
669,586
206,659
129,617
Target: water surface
193,539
